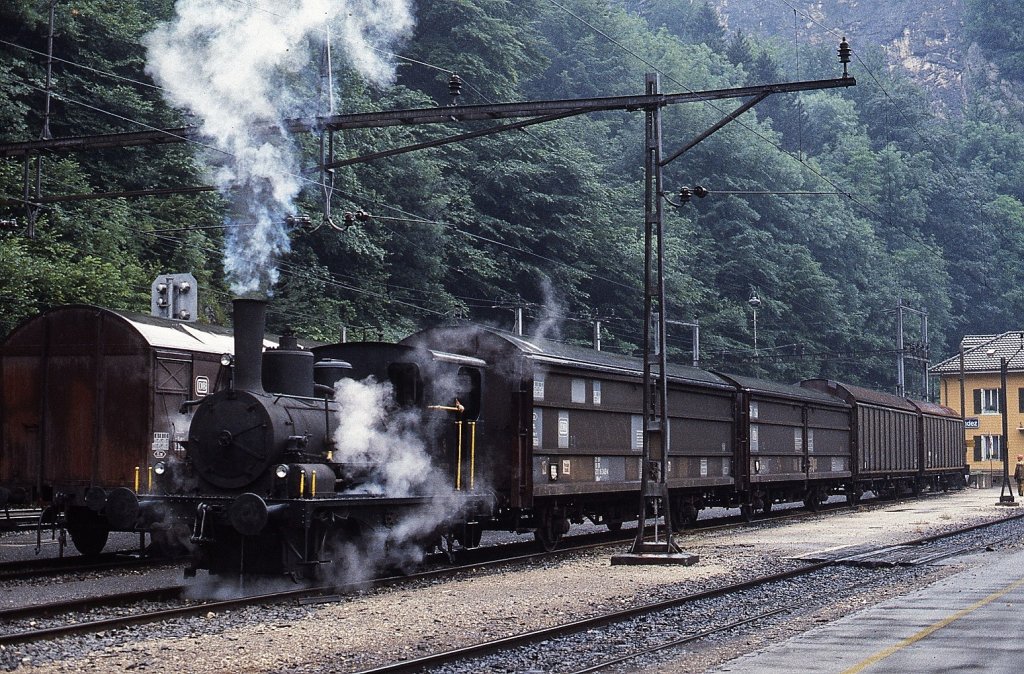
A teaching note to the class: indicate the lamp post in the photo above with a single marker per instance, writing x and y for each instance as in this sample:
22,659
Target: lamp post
1006,492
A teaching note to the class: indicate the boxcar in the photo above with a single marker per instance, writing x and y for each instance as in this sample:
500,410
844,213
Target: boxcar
793,444
89,399
943,452
886,433
562,427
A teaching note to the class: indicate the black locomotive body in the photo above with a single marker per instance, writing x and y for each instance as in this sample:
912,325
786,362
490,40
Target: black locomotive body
271,483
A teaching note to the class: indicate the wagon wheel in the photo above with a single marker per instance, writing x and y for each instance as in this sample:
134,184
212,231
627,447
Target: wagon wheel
88,530
684,516
614,525
762,501
552,524
747,512
853,495
813,500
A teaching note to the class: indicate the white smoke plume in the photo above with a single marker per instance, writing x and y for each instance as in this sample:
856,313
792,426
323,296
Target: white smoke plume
549,324
372,433
239,66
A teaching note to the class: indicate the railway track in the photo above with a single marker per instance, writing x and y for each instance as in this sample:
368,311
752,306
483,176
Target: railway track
20,520
469,658
58,566
521,553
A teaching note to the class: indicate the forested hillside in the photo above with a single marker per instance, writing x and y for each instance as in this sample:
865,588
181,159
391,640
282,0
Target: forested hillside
831,206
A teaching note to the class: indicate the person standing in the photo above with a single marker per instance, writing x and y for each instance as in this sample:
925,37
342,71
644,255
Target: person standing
1018,475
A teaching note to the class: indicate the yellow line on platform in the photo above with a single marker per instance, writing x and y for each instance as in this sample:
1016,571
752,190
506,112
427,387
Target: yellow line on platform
882,655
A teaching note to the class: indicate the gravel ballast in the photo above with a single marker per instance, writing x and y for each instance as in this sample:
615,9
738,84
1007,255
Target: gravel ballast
380,626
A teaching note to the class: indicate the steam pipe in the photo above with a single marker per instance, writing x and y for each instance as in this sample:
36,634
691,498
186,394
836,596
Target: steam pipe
250,321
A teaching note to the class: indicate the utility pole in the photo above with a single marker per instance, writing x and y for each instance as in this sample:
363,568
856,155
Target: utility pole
917,353
655,461
32,204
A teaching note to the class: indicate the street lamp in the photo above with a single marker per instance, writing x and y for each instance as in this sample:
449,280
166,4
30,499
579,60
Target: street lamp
1006,493
754,303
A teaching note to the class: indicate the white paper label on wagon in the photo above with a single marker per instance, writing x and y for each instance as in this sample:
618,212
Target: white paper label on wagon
753,409
161,444
566,465
703,467
753,437
837,464
202,386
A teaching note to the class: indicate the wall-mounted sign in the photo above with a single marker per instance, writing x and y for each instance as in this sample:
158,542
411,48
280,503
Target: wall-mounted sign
971,422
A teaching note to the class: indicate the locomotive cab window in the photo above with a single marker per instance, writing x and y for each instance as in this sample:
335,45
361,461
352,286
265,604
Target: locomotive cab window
467,390
405,379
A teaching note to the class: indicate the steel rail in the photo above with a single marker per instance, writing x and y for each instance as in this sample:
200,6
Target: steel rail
681,641
85,603
564,629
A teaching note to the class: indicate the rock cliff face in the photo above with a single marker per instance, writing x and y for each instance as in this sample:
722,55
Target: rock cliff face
924,37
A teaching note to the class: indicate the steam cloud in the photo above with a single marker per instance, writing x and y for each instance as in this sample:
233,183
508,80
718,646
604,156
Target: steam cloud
390,444
240,68
371,433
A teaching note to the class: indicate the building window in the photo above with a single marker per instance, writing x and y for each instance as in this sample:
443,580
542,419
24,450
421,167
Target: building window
988,448
986,401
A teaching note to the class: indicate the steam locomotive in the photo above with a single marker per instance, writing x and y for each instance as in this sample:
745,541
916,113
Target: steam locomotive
344,457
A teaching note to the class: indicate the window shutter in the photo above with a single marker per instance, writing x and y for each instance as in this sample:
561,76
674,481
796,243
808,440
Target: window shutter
1020,399
977,401
977,446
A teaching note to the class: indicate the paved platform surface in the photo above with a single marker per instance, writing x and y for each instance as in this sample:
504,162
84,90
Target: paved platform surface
972,621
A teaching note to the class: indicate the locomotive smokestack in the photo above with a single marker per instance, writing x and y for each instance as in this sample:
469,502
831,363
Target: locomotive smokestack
250,322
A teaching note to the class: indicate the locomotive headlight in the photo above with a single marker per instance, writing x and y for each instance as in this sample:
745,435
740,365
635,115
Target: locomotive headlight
227,359
160,468
281,471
